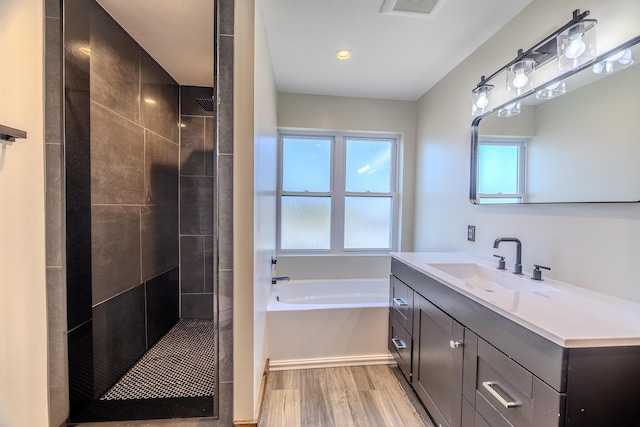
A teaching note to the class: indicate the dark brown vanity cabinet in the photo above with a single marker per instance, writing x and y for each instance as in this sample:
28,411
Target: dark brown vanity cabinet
472,367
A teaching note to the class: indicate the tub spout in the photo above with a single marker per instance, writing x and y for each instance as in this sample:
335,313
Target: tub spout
275,280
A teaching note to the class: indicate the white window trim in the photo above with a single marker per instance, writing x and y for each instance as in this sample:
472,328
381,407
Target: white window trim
337,189
521,195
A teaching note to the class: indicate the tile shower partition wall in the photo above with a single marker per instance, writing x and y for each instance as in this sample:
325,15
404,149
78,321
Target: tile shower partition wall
122,155
54,226
197,168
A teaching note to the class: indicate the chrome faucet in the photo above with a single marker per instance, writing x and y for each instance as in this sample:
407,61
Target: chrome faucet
517,269
275,280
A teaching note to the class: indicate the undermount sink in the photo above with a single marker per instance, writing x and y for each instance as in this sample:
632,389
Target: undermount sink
487,279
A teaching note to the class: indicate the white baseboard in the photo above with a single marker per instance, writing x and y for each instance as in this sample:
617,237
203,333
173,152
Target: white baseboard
330,362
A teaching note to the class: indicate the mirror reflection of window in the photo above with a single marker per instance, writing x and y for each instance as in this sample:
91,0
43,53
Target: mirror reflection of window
582,135
501,170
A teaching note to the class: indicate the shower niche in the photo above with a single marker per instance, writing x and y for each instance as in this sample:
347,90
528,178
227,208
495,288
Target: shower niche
141,215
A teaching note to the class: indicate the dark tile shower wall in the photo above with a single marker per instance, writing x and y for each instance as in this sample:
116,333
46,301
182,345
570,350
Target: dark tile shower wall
134,197
197,195
122,114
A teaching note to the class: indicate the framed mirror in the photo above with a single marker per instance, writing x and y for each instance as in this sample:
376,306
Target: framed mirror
574,139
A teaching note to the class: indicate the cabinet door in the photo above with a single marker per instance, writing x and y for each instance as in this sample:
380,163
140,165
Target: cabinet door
437,362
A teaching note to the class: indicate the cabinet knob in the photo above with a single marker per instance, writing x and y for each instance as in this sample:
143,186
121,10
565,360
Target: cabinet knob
455,344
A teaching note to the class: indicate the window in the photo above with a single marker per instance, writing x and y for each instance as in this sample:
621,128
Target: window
337,192
501,170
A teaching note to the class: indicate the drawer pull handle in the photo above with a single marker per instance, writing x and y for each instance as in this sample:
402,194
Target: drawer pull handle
455,344
398,343
400,302
490,386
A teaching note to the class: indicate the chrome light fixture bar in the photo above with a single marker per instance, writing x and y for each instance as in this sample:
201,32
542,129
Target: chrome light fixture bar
568,44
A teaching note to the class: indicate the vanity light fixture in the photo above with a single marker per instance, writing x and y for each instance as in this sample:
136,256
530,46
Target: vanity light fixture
615,62
481,100
577,44
572,45
510,110
518,75
343,54
552,91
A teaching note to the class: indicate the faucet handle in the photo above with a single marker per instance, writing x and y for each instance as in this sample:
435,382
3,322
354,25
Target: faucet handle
501,265
537,273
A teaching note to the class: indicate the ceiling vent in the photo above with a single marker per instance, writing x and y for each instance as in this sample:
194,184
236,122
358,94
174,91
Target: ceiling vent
419,7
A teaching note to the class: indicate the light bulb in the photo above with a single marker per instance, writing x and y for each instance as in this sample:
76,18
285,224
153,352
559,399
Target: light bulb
482,101
576,47
626,58
598,68
520,80
510,110
608,67
616,56
343,54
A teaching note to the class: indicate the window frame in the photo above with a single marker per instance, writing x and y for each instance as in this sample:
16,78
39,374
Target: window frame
521,195
337,191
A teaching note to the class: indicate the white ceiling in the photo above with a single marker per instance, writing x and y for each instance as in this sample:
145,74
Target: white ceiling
177,34
395,55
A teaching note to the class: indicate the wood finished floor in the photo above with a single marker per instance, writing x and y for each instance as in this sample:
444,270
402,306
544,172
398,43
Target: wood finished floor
367,396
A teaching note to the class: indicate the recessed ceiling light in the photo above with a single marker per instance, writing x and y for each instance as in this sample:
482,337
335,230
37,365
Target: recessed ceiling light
343,54
150,101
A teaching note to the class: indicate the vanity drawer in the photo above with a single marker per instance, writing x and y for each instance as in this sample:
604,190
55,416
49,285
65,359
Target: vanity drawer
503,389
509,395
400,346
401,303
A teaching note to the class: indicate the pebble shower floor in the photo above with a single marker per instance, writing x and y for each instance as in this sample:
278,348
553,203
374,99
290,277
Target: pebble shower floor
180,364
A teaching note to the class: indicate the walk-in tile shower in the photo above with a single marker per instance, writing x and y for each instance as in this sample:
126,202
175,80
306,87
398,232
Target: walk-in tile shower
148,187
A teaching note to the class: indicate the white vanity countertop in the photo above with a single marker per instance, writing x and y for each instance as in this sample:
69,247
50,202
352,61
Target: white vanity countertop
567,315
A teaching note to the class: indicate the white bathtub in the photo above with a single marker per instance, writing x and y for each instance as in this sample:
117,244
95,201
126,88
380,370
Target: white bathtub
324,323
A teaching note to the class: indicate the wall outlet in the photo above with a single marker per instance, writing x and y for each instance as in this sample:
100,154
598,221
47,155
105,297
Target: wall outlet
471,233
